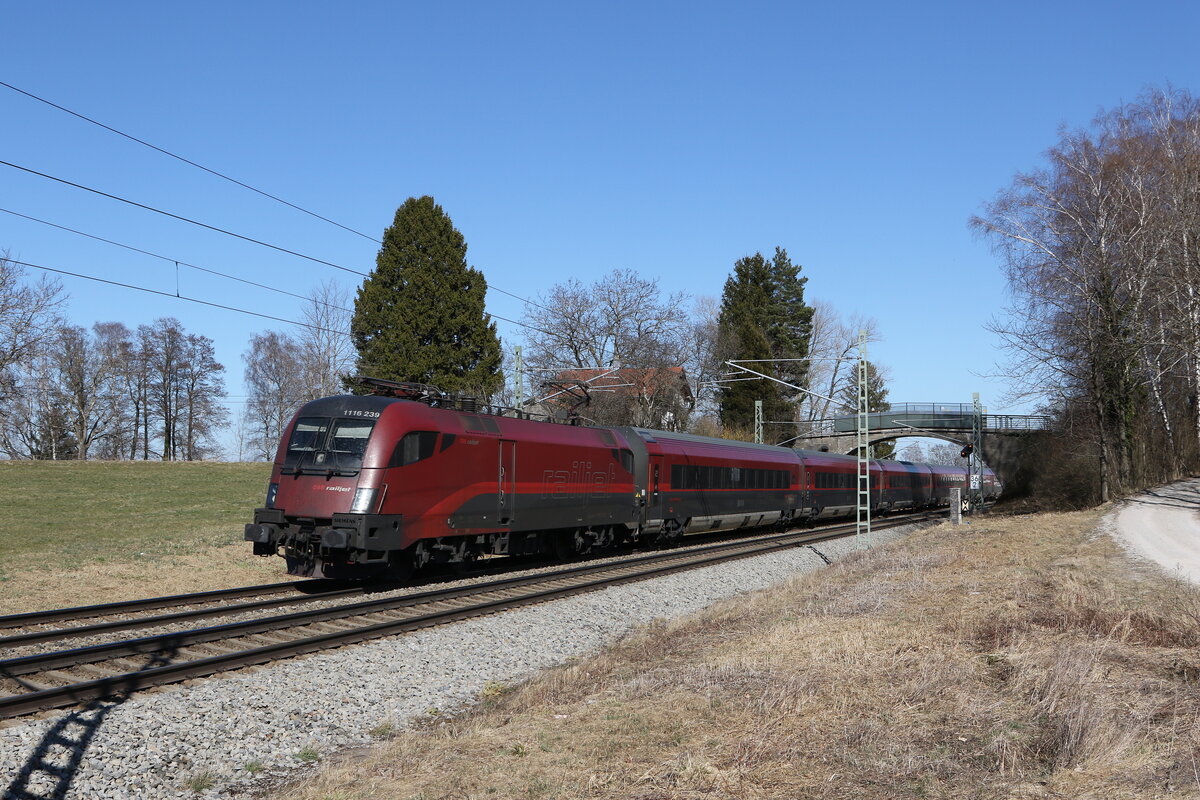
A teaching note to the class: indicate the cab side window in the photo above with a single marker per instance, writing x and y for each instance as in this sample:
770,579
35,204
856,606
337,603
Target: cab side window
413,447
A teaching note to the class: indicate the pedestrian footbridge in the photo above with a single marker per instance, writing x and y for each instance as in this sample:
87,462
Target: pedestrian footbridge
1003,436
952,422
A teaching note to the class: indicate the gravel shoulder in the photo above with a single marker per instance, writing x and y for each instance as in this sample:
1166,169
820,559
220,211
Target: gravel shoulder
224,737
1163,525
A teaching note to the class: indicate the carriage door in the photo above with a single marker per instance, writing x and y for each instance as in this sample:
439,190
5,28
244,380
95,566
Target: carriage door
507,477
656,479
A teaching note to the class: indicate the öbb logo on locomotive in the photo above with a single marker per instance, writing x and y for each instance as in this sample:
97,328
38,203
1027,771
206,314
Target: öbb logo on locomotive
382,484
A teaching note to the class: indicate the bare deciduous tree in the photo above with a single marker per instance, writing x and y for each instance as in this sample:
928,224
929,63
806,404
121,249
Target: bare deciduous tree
276,383
184,389
833,350
327,351
201,411
1099,251
700,353
35,424
88,376
622,321
28,318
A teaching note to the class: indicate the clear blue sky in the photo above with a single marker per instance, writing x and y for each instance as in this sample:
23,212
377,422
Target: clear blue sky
566,141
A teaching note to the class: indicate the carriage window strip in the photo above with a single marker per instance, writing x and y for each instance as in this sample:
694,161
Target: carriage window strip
707,478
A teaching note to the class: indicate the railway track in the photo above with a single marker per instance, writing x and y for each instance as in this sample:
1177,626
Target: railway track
118,668
154,603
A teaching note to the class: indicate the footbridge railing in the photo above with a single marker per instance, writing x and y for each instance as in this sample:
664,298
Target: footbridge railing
940,417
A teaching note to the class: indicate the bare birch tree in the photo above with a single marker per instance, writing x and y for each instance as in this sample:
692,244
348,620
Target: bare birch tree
1099,251
29,318
88,368
833,350
327,351
276,383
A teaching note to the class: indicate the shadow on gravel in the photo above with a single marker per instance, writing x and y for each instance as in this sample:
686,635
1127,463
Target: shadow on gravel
53,764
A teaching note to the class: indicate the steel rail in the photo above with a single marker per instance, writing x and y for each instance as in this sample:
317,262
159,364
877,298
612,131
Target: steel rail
52,697
29,618
25,665
37,637
137,646
312,594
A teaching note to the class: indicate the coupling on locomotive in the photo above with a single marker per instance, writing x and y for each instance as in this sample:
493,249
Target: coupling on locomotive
386,483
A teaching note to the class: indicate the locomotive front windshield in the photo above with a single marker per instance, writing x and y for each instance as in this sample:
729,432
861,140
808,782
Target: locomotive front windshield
319,444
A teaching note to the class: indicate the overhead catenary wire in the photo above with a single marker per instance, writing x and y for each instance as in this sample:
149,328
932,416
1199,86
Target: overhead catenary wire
223,176
234,277
181,218
148,290
525,300
217,305
229,178
178,157
250,239
175,261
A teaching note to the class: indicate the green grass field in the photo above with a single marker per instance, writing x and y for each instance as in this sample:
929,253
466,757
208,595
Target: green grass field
66,515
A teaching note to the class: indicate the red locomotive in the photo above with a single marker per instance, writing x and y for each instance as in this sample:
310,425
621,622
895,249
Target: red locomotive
387,483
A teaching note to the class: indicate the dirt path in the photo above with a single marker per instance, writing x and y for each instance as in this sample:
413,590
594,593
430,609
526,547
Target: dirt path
1164,526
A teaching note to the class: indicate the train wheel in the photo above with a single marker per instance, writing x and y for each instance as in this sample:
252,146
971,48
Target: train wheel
564,547
570,546
401,566
670,534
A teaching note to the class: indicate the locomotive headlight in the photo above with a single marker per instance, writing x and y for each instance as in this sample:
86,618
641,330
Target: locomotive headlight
364,501
272,490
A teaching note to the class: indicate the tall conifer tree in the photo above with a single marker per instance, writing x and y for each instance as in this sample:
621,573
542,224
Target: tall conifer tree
763,316
420,315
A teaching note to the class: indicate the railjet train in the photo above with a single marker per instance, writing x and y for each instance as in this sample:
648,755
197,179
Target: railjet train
384,484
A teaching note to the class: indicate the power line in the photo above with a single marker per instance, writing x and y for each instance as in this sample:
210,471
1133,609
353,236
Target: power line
223,176
185,219
176,296
219,305
168,259
177,262
186,161
238,236
522,324
524,300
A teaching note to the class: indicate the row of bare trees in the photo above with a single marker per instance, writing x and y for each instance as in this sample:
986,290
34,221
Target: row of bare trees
113,393
156,392
67,392
1100,248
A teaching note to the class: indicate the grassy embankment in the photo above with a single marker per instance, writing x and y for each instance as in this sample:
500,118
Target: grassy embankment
74,533
1019,657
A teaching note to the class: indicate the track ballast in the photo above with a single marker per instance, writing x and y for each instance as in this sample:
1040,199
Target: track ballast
116,669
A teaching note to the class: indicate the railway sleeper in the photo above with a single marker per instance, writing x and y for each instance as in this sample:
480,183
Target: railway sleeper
95,670
62,678
32,685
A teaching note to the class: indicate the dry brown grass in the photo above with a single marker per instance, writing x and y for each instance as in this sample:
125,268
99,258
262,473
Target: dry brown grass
1015,658
110,581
